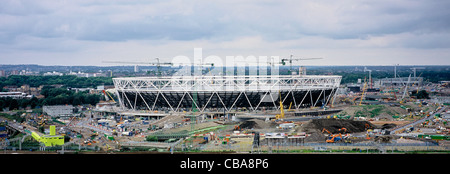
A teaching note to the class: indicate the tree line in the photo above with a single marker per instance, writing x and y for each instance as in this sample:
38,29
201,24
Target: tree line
53,96
65,80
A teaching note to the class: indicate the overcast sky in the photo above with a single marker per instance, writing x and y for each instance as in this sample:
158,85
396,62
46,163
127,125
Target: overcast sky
344,32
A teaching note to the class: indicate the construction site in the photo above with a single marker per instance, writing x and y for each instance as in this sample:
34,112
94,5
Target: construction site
295,113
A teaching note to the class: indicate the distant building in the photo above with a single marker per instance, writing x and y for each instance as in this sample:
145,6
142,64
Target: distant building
15,95
50,139
82,74
59,110
54,73
34,91
354,88
14,72
401,81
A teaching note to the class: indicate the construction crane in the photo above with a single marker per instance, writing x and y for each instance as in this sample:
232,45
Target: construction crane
157,63
200,65
281,115
364,90
395,70
107,94
406,87
283,61
370,76
416,68
418,84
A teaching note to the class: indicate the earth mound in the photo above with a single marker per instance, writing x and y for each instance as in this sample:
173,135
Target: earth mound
333,125
255,124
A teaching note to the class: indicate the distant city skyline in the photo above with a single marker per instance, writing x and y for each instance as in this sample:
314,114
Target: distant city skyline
349,32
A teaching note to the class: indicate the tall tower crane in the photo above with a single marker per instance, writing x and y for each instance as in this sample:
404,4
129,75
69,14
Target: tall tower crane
414,70
197,67
157,63
291,58
370,76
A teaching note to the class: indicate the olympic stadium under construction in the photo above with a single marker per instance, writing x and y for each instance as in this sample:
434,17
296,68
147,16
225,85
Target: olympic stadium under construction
225,93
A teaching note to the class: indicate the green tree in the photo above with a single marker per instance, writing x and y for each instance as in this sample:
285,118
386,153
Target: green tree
77,100
13,104
34,102
422,94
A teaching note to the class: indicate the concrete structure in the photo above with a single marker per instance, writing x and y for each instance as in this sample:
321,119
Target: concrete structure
59,110
401,81
224,93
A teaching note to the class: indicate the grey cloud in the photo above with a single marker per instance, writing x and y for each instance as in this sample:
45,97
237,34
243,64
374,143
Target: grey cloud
272,21
58,26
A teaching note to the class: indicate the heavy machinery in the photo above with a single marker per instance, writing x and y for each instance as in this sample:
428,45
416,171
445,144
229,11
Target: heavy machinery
325,130
109,95
343,130
367,126
334,138
281,115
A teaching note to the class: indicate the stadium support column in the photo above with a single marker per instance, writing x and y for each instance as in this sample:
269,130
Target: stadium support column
116,86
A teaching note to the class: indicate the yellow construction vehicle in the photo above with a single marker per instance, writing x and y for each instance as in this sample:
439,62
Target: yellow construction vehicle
281,115
367,137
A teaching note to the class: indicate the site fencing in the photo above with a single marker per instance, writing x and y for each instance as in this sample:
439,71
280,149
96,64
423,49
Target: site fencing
327,147
55,148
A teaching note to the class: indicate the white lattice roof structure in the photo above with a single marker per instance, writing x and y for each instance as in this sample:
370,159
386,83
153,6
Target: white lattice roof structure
178,93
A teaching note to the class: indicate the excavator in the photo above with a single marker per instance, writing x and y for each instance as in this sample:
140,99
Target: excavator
334,138
325,130
342,129
367,126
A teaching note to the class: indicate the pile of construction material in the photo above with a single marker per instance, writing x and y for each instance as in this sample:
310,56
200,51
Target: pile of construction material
315,128
256,124
334,125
